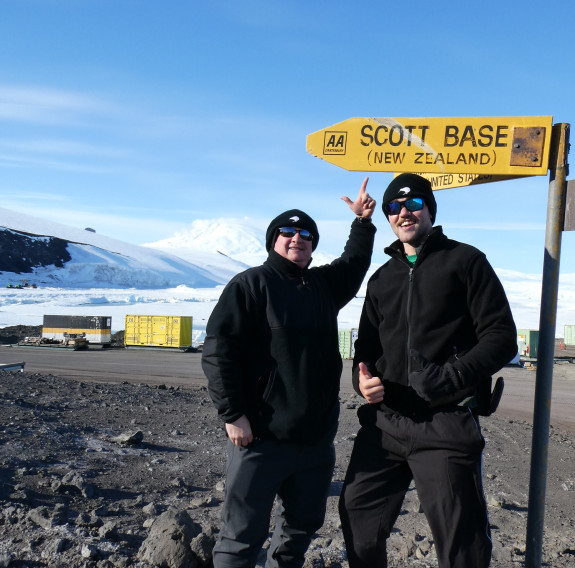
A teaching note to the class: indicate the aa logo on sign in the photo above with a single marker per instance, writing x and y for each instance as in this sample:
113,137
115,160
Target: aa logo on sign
334,142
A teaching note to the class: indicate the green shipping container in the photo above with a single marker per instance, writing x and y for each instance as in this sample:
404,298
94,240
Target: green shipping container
527,342
347,339
569,337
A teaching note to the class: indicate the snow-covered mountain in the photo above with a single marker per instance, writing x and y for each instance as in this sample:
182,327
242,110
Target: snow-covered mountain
95,260
223,237
235,239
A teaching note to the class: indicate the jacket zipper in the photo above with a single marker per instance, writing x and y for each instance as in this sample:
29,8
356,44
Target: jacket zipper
408,318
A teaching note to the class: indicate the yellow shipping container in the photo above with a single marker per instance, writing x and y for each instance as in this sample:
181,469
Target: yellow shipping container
158,331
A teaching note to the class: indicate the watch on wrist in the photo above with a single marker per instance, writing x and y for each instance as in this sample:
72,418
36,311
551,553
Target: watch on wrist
361,219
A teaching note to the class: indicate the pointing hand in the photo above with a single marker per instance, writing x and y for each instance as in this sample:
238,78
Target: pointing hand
364,205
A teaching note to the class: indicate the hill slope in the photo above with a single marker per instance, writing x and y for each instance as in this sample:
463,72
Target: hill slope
52,254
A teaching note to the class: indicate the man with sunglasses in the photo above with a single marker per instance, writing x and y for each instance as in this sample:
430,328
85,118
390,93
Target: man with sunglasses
435,326
272,360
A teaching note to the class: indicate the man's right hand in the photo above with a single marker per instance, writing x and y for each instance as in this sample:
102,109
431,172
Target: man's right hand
370,386
240,431
364,205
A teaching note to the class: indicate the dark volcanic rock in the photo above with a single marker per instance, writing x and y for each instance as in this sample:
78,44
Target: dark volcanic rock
15,333
22,252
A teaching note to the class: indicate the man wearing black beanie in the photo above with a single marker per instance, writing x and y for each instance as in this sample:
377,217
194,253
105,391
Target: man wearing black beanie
435,326
271,356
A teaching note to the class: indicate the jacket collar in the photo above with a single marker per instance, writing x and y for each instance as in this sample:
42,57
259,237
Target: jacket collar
436,235
282,264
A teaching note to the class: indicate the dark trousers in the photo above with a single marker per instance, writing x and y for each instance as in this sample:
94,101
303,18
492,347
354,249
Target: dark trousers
443,455
299,476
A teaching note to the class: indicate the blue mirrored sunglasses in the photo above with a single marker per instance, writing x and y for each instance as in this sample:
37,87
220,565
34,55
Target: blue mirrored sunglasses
413,204
290,232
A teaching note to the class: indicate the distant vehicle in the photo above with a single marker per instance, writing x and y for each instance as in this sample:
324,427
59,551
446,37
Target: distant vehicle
74,340
20,286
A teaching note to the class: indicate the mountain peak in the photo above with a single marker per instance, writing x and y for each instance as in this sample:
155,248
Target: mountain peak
233,238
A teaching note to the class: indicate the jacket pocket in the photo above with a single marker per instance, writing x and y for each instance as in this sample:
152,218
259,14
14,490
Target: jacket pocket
266,384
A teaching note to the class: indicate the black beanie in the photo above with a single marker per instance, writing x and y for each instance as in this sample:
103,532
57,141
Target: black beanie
291,218
411,185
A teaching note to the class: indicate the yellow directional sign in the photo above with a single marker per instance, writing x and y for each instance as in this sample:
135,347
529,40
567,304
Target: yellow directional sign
509,146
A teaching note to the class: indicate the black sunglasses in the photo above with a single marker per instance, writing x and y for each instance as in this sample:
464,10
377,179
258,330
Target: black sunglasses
413,204
290,233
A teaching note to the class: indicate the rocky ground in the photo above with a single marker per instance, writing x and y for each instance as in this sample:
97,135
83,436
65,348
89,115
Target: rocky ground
118,475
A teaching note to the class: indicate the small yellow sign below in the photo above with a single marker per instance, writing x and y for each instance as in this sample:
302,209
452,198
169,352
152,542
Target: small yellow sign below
497,146
446,181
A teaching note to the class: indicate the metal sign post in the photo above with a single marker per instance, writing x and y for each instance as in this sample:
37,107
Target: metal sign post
570,207
544,378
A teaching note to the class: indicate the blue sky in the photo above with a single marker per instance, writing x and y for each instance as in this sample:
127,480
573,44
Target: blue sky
136,117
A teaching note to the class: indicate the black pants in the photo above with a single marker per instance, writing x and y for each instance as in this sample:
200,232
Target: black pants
299,476
443,455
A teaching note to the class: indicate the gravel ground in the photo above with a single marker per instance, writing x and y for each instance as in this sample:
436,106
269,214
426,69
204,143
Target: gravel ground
86,469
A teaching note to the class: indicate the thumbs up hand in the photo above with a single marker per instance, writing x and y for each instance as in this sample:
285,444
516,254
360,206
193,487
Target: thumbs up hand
370,387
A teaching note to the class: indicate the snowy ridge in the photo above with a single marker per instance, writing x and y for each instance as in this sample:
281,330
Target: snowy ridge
99,261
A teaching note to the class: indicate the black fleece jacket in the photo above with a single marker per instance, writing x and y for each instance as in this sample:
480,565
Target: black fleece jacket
450,308
271,350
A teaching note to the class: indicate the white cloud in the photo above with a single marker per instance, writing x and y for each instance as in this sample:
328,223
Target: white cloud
60,146
45,105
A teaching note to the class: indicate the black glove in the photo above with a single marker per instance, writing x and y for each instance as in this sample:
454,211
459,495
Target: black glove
435,383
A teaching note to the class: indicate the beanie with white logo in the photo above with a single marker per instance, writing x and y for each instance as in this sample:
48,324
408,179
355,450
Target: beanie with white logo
411,185
291,218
